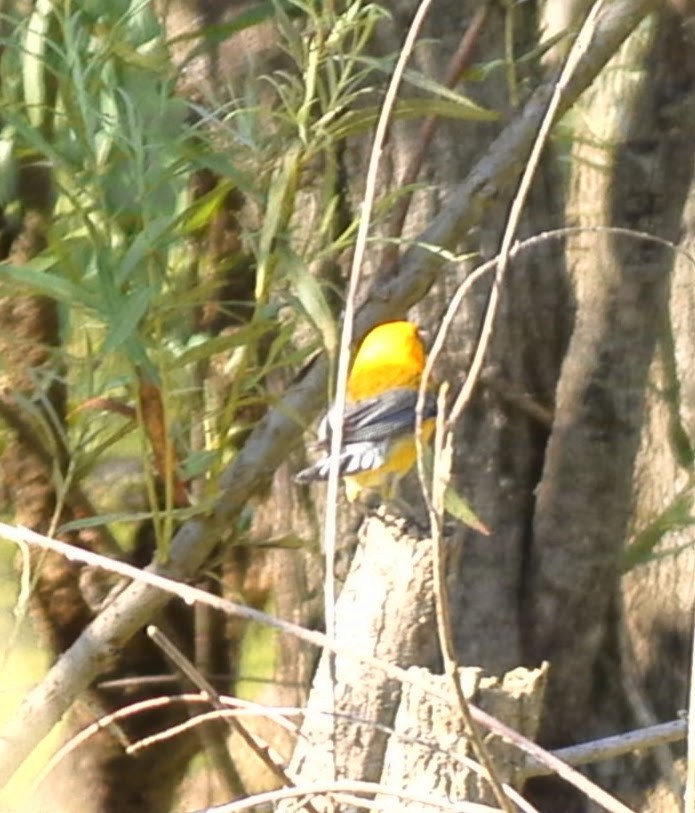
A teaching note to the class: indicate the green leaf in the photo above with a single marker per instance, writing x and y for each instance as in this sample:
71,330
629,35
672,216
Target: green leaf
355,122
201,212
131,309
469,109
281,196
674,517
461,510
223,165
32,136
289,541
281,191
311,297
426,83
179,514
36,274
202,348
141,246
112,10
198,463
8,167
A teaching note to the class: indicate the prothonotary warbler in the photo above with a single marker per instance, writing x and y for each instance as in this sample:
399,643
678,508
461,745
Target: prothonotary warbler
378,446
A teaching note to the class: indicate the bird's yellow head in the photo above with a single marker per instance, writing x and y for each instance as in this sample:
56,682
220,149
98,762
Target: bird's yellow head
392,355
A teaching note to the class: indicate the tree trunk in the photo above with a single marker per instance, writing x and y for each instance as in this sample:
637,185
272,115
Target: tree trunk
608,455
385,610
363,724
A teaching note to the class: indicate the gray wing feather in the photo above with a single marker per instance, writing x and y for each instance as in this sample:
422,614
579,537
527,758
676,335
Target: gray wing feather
368,427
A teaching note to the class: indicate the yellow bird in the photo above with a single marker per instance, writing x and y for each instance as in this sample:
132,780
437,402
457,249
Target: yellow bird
378,446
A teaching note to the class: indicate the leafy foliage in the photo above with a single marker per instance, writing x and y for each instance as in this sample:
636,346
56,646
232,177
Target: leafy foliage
89,90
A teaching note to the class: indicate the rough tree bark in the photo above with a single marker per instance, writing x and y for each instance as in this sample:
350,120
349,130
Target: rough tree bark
361,724
385,610
631,168
429,744
658,597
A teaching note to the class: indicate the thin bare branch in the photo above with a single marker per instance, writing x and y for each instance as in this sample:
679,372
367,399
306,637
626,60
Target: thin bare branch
609,747
314,789
270,759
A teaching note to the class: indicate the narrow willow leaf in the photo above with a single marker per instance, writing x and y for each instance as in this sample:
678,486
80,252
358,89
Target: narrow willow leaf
179,514
216,34
356,122
461,510
140,247
311,297
204,349
675,517
475,111
198,463
201,212
280,197
426,83
290,541
131,309
37,276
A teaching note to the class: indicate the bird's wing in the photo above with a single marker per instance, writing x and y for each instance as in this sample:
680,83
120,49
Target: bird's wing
384,416
368,428
354,458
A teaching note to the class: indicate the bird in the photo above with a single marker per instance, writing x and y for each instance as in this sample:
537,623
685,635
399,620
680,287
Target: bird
379,420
